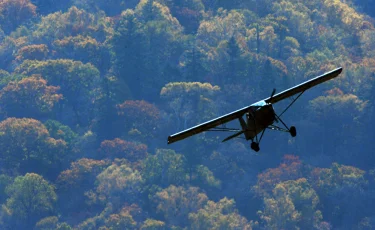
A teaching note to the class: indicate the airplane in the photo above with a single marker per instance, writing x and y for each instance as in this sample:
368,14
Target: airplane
259,116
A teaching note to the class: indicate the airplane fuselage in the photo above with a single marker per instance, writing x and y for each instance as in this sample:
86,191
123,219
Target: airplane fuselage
260,117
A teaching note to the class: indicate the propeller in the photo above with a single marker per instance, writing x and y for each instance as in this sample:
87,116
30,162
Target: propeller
273,93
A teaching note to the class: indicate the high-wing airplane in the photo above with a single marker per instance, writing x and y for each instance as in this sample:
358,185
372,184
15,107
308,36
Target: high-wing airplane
258,116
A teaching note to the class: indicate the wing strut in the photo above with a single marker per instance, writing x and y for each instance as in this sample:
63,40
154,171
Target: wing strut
294,100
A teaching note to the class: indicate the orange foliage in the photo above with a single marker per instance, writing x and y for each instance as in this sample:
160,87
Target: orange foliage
119,148
327,179
335,92
28,97
290,169
33,52
83,171
26,145
140,115
15,12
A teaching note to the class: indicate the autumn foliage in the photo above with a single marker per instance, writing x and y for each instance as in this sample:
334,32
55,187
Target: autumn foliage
118,148
90,90
29,97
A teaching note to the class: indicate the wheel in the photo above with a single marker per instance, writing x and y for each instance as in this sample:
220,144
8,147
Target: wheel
255,146
293,131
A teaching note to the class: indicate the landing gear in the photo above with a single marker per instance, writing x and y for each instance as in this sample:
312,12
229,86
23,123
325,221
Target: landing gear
255,146
293,131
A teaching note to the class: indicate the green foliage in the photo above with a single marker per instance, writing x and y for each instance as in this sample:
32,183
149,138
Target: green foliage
29,97
50,6
118,184
72,184
123,149
219,215
32,52
123,220
110,7
340,112
189,102
123,75
78,84
151,224
47,223
83,48
291,206
290,169
27,147
175,203
327,179
15,12
83,171
72,23
60,131
140,115
164,168
5,180
188,12
30,197
146,43
204,177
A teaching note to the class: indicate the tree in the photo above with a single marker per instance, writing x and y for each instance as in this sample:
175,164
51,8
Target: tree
188,12
219,215
78,84
119,148
343,191
15,12
292,205
164,168
30,197
85,49
73,22
29,97
127,42
110,7
74,182
188,99
5,180
140,115
27,147
151,224
82,172
47,223
119,184
32,52
147,44
175,203
290,169
45,7
60,131
334,112
191,61
123,220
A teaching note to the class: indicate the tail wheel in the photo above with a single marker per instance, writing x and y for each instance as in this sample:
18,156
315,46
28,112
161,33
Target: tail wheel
255,146
293,131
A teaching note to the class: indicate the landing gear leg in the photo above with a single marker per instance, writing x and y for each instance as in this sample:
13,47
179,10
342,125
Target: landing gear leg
293,131
255,146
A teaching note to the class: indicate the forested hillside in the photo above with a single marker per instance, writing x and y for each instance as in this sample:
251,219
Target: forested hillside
91,89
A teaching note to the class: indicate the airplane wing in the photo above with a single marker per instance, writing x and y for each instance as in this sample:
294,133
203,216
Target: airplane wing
304,86
239,113
209,124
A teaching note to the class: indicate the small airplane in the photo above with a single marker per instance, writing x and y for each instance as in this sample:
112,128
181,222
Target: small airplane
259,116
